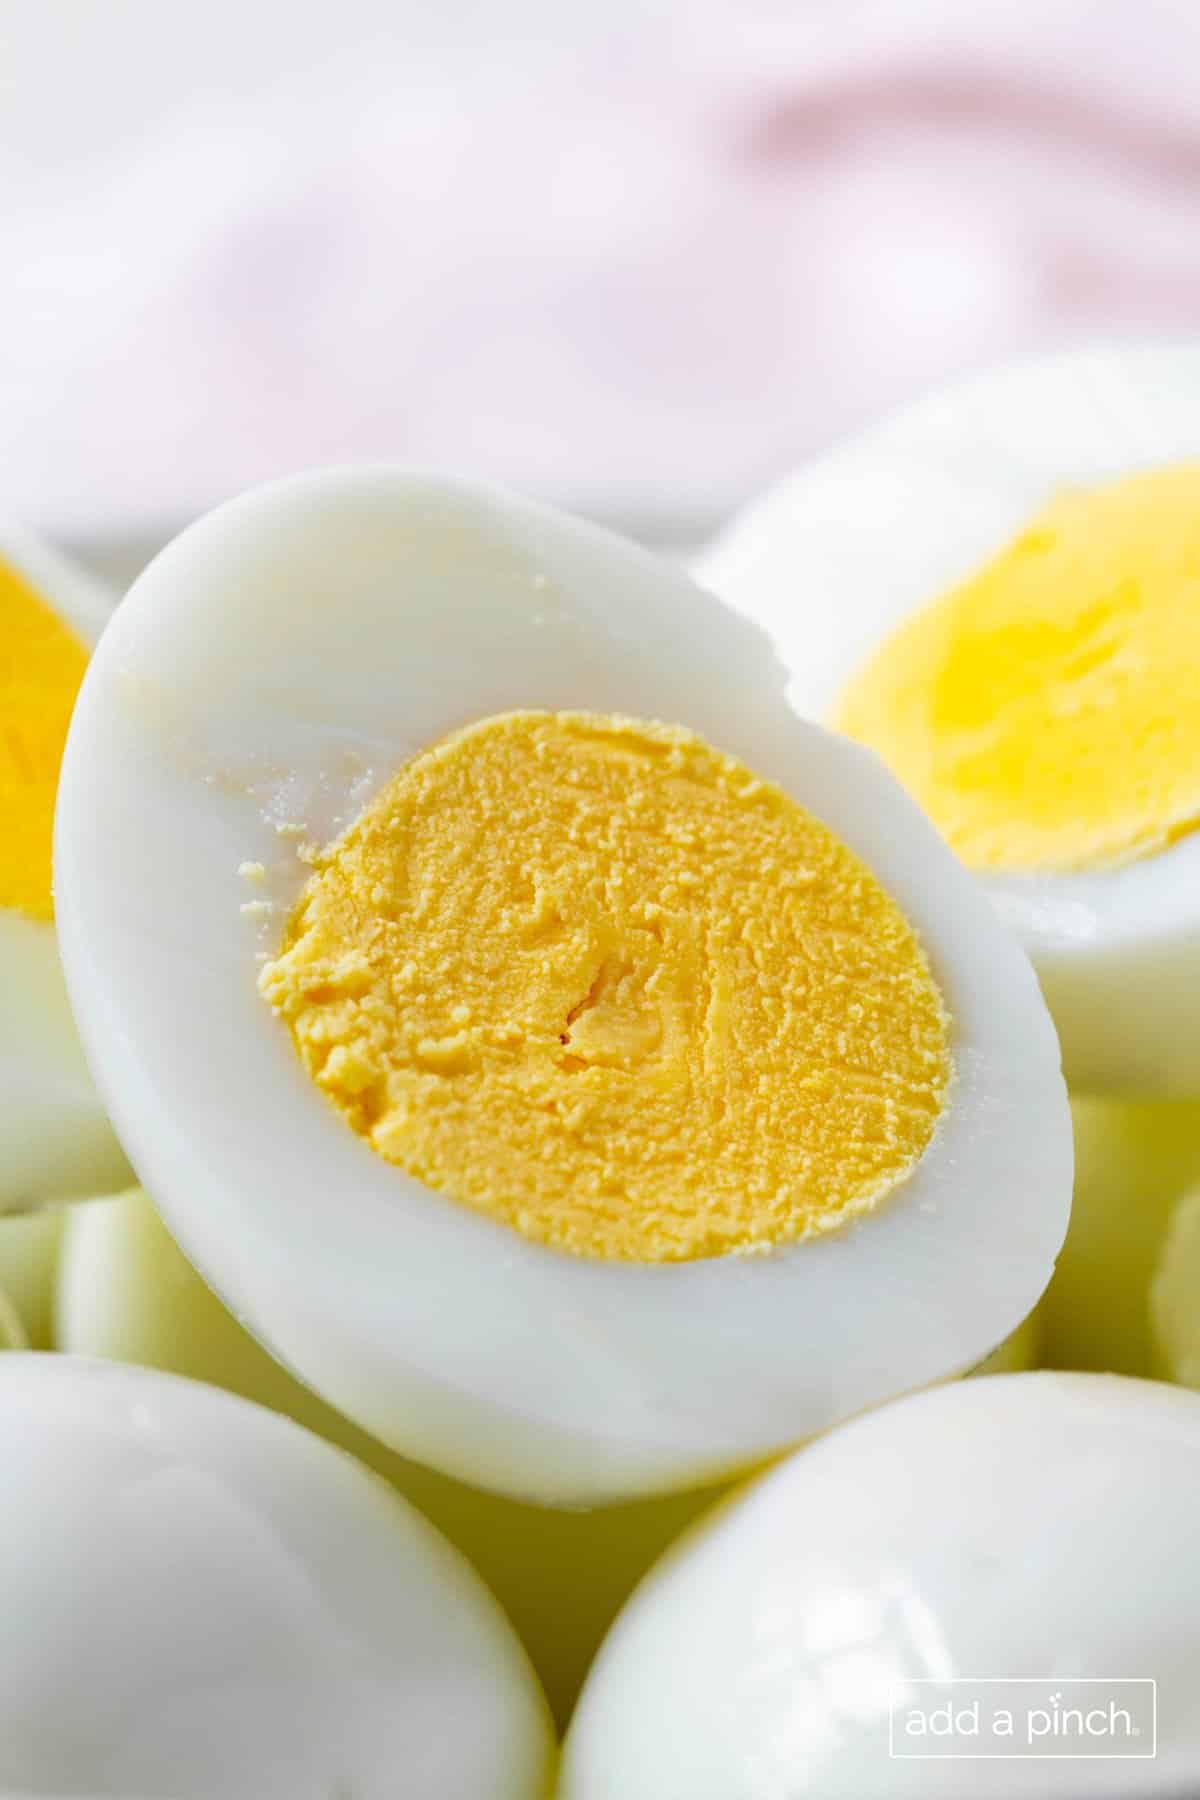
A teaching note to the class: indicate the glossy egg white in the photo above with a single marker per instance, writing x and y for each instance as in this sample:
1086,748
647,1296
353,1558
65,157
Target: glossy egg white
55,1141
1030,1527
201,1598
269,670
834,557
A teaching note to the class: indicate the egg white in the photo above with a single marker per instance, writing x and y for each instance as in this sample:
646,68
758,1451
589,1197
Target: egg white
1027,1526
55,1141
835,556
201,1598
272,667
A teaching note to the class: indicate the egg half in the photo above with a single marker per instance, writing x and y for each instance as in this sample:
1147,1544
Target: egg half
998,590
55,1142
586,1075
1036,1531
201,1598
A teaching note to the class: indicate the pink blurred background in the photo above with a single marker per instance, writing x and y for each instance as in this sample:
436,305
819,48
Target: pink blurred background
638,258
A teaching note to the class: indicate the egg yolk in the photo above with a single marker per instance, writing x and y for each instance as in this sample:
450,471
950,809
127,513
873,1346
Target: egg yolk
596,980
41,667
1046,713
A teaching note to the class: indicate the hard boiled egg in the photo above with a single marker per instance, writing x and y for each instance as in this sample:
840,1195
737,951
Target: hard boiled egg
1018,1537
55,1141
998,590
586,1075
202,1599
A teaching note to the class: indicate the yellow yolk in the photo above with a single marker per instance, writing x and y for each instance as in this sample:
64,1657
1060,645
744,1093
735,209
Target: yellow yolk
1046,714
41,667
596,980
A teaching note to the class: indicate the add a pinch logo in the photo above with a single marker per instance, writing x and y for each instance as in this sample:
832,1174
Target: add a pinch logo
1030,1716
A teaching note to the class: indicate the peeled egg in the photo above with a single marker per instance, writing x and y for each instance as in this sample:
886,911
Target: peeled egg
636,1086
998,590
1133,1159
1029,1530
55,1141
201,1599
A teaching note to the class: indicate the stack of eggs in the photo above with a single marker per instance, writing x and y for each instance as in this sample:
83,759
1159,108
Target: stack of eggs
582,1042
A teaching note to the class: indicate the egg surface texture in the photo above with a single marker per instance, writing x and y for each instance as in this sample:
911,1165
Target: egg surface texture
636,1084
590,1025
999,592
202,1599
55,1142
1035,1528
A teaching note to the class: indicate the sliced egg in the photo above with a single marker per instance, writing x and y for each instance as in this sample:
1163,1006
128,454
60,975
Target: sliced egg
1133,1159
202,1599
1023,1544
998,590
55,1141
584,1074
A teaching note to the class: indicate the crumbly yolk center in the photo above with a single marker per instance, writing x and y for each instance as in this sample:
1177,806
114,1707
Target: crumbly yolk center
597,981
1046,713
41,667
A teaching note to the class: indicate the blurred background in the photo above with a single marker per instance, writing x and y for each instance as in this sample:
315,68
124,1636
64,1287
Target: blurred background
638,258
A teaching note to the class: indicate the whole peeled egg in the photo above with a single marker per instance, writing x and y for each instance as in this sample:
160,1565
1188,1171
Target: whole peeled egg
55,1141
998,590
988,1589
586,1075
201,1598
